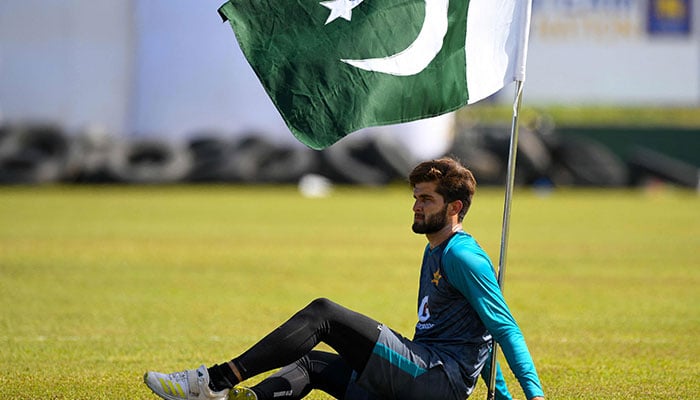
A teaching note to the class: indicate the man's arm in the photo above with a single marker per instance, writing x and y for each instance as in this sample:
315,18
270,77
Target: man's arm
472,273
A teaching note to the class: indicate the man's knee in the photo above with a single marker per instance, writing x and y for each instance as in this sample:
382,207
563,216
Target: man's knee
322,305
318,311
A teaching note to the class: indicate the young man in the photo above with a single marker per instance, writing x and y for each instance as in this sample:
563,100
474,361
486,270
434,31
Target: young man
459,307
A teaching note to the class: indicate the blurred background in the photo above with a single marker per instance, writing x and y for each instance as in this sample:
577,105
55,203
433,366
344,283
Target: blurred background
158,91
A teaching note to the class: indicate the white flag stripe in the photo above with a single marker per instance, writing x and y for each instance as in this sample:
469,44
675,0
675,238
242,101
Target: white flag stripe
523,16
496,45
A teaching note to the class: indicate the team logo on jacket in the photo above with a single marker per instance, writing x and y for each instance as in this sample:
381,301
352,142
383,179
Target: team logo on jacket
424,310
424,314
436,277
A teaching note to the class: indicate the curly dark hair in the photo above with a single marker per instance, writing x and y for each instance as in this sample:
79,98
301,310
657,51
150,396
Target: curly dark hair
454,181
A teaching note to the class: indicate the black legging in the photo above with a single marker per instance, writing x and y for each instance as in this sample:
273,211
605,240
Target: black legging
316,370
351,334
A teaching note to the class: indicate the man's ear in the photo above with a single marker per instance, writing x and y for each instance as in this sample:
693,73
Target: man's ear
453,208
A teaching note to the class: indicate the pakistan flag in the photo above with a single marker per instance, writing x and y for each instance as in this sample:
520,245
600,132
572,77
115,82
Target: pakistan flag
334,67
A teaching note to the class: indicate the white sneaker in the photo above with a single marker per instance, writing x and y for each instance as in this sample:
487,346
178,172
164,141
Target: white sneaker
184,385
242,393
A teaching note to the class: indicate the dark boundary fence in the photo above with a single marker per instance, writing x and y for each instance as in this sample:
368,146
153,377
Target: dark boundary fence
682,144
551,156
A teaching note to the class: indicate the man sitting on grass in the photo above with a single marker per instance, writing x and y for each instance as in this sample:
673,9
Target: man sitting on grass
460,307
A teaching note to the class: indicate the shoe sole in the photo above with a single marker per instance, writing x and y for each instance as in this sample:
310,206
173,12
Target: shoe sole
242,393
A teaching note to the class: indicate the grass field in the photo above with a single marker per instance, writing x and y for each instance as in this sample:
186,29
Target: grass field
687,117
99,284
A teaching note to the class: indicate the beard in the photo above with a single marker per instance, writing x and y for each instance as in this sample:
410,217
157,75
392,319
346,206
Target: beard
431,223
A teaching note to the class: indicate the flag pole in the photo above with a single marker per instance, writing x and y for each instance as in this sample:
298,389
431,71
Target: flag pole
510,182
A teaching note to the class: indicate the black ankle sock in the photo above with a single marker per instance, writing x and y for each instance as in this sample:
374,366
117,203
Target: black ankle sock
221,377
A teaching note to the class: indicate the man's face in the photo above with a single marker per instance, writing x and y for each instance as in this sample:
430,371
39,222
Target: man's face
429,209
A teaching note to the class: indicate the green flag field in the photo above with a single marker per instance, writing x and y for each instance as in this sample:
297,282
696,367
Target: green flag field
100,283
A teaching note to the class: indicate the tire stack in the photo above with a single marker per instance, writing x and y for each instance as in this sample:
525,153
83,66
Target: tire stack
35,153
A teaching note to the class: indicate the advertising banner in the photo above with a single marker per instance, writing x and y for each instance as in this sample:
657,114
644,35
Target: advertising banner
621,52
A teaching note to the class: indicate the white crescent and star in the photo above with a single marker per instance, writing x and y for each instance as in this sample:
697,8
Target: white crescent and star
417,56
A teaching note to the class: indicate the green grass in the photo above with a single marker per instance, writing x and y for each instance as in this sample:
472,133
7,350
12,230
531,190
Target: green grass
680,117
99,284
